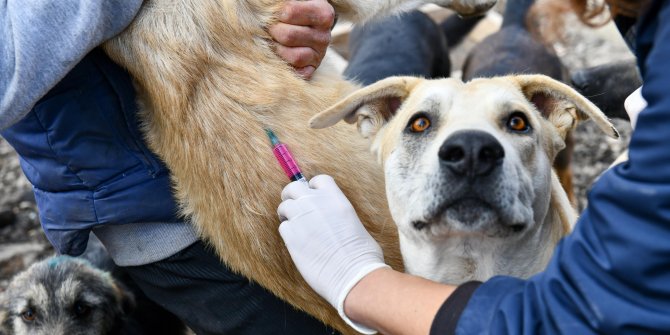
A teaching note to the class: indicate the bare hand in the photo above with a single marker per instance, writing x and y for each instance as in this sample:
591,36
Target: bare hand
303,34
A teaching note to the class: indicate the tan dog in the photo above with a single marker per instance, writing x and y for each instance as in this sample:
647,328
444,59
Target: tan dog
468,168
209,83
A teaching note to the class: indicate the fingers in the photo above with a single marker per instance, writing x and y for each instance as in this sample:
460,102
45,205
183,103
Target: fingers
292,35
324,182
303,34
294,190
318,14
299,57
288,209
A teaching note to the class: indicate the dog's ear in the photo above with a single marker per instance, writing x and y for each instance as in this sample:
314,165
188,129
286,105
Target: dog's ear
561,104
371,107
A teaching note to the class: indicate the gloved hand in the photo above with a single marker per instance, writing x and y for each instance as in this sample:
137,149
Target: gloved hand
327,241
634,104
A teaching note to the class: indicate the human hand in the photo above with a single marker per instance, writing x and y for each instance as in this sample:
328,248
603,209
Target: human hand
326,240
303,34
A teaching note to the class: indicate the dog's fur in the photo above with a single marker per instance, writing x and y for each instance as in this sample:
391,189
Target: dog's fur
64,296
209,82
472,197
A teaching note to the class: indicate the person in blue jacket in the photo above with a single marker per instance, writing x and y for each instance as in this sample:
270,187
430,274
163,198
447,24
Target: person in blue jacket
70,113
610,276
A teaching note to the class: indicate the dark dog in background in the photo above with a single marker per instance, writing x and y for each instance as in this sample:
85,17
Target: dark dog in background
65,295
89,295
608,85
515,50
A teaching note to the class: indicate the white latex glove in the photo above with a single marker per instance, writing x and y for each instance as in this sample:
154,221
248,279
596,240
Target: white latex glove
634,104
327,241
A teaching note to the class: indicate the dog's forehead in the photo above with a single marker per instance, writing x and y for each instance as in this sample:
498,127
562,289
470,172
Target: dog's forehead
434,93
488,96
473,99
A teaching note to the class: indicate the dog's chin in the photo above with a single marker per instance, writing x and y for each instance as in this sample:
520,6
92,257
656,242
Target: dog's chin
470,216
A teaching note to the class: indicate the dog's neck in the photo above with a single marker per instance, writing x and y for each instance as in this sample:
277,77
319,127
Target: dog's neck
459,259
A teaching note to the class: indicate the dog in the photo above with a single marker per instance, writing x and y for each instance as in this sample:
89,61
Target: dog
468,168
208,84
84,295
65,295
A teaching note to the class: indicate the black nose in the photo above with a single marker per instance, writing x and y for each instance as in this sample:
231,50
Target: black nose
471,153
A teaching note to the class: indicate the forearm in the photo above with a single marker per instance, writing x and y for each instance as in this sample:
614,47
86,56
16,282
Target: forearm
43,40
396,303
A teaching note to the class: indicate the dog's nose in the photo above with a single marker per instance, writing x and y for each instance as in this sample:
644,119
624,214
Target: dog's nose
471,153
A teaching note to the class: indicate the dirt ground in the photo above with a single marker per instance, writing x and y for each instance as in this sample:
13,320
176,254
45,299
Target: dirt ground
22,240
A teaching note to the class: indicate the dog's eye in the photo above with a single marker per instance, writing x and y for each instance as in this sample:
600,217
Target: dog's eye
419,124
28,315
518,122
81,310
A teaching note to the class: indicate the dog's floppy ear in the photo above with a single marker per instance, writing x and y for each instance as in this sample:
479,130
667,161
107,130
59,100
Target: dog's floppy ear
371,107
561,104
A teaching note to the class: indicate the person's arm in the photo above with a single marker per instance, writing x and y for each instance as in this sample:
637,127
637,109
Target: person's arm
396,303
339,259
42,40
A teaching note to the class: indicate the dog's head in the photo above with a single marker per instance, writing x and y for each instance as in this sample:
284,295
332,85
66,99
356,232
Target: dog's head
466,158
63,295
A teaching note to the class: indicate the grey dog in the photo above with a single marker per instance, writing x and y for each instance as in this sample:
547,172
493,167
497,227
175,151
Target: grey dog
64,295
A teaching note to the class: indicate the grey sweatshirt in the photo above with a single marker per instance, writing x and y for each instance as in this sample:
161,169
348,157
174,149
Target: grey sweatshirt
40,42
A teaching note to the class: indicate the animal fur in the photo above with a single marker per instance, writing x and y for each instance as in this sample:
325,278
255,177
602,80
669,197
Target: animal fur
209,82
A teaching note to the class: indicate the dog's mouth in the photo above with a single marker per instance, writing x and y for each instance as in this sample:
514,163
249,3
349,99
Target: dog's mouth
470,215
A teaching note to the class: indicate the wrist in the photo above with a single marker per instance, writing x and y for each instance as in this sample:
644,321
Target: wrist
362,274
358,300
395,303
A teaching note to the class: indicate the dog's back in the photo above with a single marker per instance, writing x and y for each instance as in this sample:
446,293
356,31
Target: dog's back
64,296
209,84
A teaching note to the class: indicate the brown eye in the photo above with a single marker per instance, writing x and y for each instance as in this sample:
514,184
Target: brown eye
28,315
518,122
419,124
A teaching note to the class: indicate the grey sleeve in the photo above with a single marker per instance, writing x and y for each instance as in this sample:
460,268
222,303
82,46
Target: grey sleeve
42,40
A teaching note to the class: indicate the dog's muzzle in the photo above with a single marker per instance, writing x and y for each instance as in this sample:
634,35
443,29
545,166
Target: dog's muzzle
471,162
471,154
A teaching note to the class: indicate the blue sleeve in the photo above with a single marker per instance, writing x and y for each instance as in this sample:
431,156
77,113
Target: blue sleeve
41,40
612,274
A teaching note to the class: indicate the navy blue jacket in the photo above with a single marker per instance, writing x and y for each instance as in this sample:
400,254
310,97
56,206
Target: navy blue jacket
612,274
81,148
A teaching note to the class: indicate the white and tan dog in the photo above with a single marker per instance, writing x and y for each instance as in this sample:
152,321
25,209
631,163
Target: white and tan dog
209,82
468,168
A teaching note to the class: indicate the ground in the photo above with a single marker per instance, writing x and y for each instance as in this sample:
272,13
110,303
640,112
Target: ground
22,240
